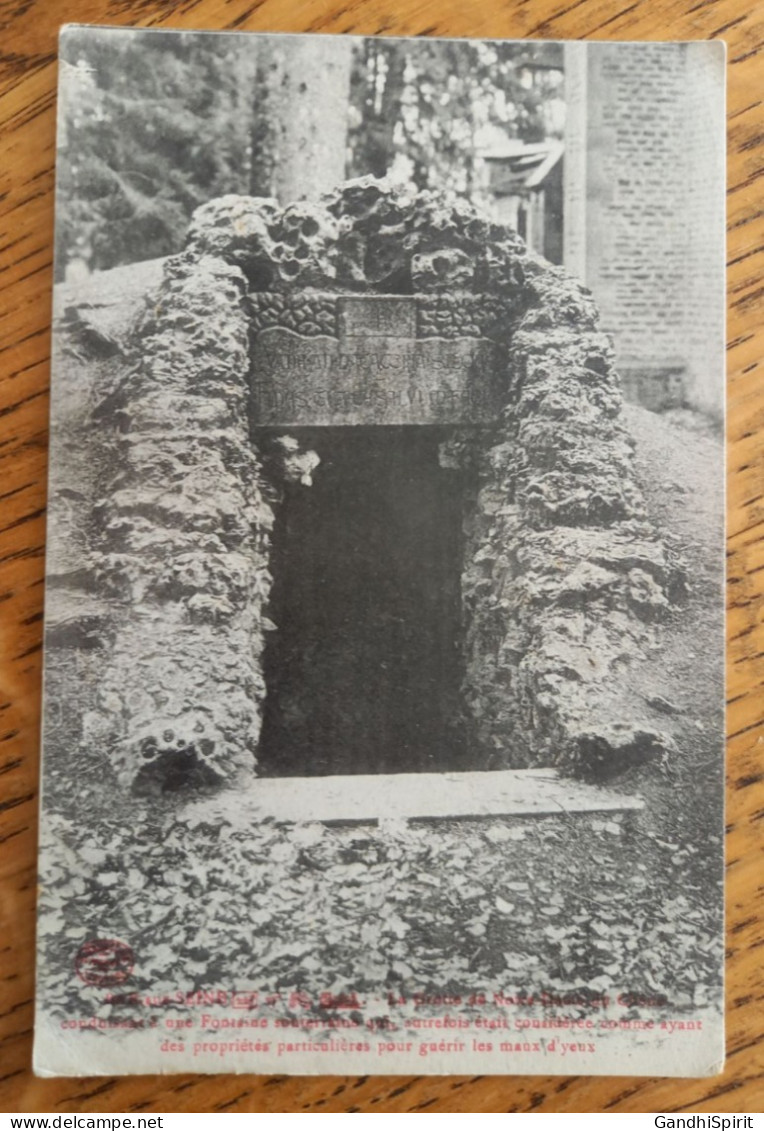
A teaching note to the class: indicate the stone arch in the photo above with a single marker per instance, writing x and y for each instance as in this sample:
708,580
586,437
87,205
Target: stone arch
564,578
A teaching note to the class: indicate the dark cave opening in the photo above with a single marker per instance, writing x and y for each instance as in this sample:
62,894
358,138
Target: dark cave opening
363,670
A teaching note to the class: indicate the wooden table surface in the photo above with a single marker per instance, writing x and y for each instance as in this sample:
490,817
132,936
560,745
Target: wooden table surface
28,30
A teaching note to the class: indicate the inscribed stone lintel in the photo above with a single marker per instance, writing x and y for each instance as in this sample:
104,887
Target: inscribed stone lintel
369,363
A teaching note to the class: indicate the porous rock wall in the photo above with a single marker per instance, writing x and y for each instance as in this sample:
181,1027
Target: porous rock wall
564,578
180,543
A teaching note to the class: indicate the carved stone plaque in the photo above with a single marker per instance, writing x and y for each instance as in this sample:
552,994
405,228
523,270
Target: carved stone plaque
367,359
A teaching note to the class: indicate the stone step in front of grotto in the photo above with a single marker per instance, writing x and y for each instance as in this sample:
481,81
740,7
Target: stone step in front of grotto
370,798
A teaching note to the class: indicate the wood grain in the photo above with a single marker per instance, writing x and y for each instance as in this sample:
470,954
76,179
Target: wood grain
28,31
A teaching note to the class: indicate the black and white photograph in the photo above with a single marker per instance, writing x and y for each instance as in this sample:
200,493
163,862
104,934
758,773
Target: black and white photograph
383,661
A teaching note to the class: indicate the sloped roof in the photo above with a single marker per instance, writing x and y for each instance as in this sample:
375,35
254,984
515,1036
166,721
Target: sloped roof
525,166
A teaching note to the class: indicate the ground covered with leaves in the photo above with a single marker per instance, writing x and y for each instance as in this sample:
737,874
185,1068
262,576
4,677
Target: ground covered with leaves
561,904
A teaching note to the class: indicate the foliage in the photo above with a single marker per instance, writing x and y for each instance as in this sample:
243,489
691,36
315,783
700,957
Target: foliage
421,105
454,907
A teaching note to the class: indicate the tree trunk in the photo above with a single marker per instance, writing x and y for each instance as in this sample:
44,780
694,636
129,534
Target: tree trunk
380,82
301,106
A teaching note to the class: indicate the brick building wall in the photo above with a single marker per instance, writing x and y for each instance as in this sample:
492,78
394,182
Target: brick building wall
644,210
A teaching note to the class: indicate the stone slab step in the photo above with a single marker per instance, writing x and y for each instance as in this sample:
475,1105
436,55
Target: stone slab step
371,797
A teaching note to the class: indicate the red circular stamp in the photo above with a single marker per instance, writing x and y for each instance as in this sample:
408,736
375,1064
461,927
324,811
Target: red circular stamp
104,962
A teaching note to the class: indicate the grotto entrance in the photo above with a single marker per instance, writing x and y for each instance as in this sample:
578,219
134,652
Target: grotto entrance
363,669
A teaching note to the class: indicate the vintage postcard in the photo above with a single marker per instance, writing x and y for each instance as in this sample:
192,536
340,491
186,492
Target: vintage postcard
383,705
